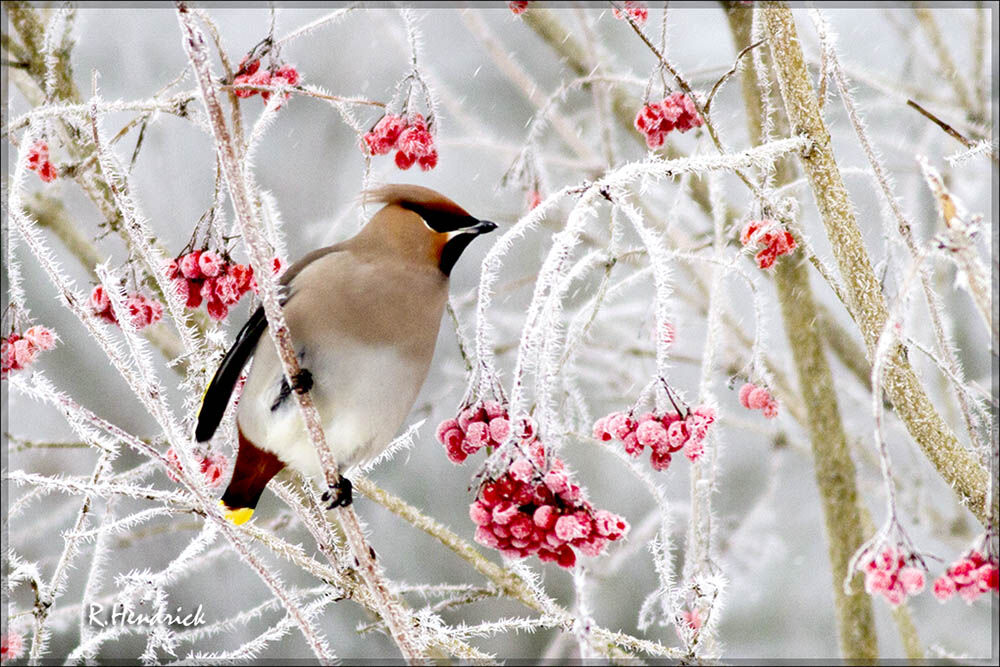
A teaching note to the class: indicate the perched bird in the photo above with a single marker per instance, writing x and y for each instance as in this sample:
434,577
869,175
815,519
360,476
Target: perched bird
364,316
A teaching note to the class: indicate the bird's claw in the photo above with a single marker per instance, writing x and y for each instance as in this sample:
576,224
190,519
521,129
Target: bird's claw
340,494
303,381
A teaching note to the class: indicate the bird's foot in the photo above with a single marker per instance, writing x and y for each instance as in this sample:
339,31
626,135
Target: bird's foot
340,494
303,381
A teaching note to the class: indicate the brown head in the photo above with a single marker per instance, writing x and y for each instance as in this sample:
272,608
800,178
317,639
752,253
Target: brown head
420,225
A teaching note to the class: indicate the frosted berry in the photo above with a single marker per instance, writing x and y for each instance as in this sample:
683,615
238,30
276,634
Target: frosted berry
213,467
209,264
41,337
772,239
651,434
637,11
676,112
970,576
38,161
190,265
753,397
893,574
11,647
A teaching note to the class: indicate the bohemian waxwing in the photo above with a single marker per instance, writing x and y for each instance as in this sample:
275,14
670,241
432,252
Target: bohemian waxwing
364,316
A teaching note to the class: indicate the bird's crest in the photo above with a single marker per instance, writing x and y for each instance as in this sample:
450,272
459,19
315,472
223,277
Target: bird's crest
402,195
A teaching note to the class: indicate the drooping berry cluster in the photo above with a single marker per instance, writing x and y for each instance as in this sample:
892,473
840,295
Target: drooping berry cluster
213,467
38,161
970,576
18,351
251,74
753,397
892,573
518,7
772,239
676,112
484,424
203,276
665,435
410,136
11,647
527,509
638,11
526,512
143,310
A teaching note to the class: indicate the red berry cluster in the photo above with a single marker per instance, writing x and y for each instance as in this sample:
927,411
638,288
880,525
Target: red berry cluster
776,241
11,647
524,512
676,112
638,11
518,7
753,397
213,466
251,74
204,276
143,310
970,576
18,351
411,137
665,435
891,572
38,161
485,424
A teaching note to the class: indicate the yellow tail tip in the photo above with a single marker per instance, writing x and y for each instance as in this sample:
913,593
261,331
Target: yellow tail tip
238,516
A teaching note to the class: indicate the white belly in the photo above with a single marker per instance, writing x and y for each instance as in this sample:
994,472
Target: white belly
363,394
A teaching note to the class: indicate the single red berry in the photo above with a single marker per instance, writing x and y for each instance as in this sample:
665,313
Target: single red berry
190,265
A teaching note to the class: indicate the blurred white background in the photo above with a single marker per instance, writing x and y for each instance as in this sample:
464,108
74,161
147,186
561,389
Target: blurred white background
779,603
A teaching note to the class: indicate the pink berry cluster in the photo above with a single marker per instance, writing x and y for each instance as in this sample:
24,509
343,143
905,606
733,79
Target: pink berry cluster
142,309
526,512
251,74
484,424
410,137
213,467
676,112
891,573
772,239
518,7
970,576
665,435
753,397
11,647
638,11
203,276
18,351
38,161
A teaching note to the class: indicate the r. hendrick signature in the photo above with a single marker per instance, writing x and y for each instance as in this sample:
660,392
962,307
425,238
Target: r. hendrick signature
122,616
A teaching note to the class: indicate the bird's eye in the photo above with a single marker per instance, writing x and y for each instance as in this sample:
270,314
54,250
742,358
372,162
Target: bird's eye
441,222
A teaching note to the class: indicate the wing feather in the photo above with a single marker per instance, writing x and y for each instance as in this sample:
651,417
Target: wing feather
220,389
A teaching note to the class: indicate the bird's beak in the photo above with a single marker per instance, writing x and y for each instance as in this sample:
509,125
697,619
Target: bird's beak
483,227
